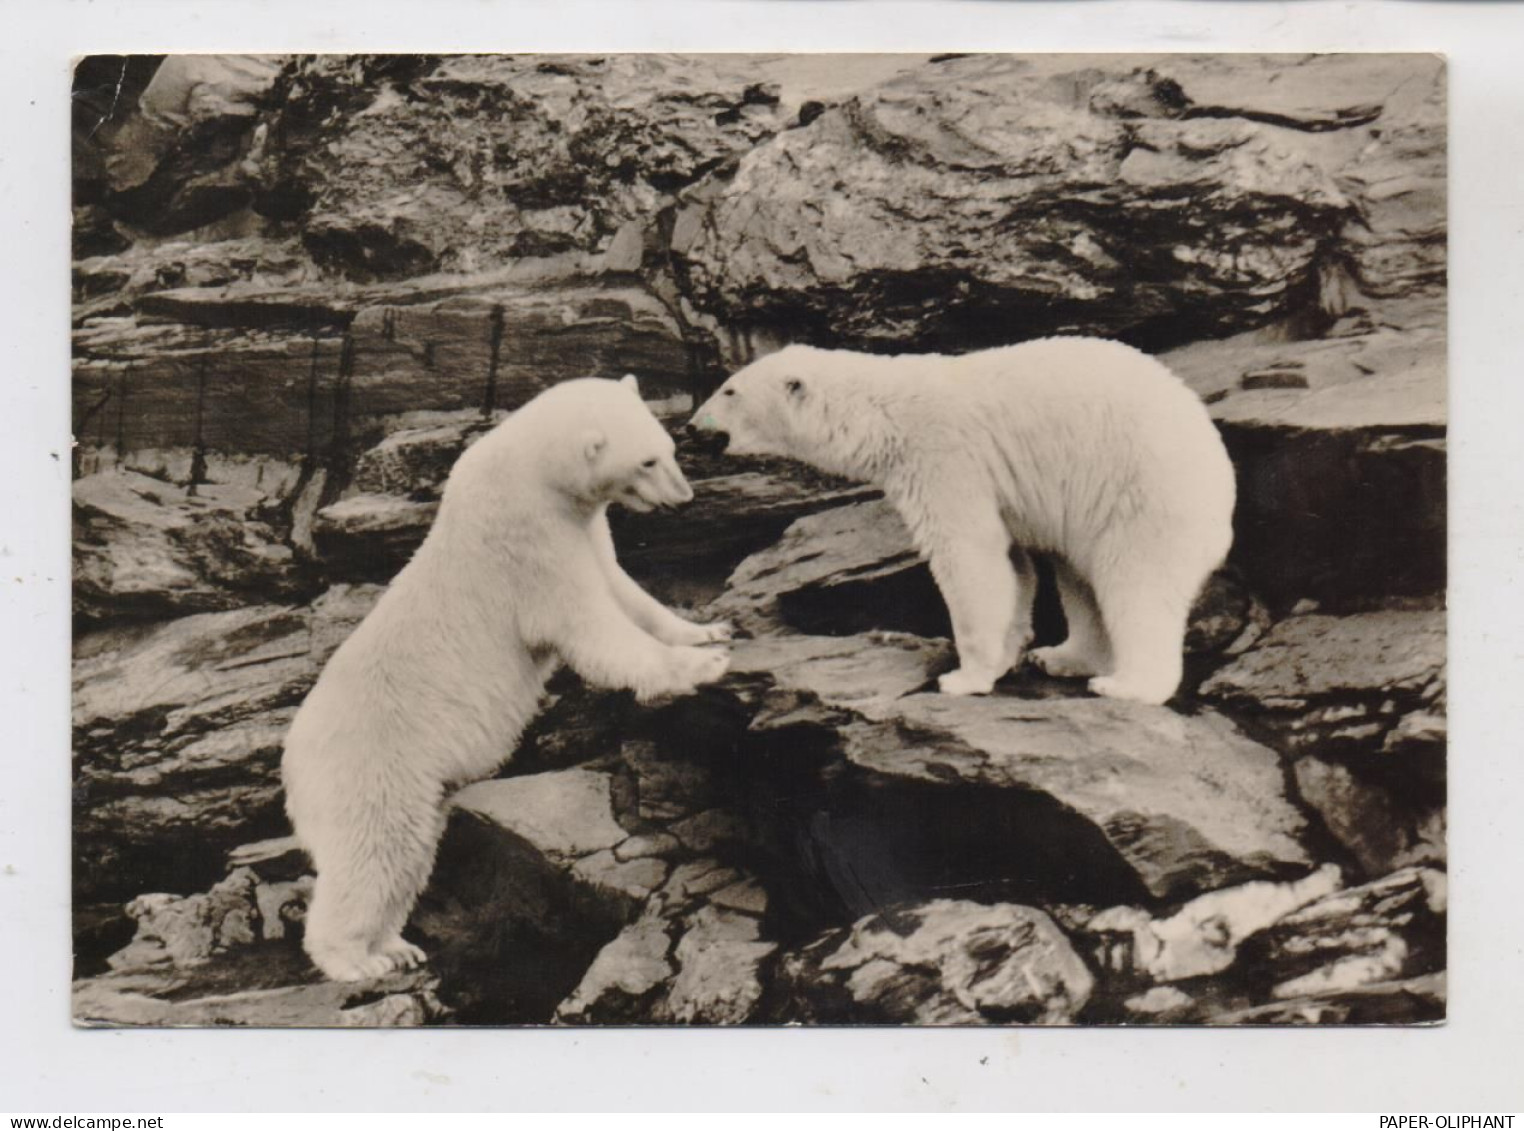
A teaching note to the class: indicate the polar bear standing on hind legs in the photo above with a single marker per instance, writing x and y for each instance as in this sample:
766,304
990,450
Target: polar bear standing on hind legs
436,685
1081,448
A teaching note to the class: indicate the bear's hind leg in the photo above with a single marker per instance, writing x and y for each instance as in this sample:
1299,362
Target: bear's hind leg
1085,651
365,892
1146,624
973,569
339,937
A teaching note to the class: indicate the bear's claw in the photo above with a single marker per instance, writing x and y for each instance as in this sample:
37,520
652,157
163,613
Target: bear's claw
718,632
403,953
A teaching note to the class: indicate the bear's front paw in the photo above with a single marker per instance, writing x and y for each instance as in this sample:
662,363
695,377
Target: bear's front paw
964,682
718,632
688,668
694,634
701,665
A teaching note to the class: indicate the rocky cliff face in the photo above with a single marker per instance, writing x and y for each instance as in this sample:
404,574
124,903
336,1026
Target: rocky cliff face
305,285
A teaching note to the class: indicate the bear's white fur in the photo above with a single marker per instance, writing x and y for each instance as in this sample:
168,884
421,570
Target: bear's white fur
1081,448
436,685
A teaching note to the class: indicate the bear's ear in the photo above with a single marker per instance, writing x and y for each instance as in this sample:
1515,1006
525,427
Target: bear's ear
593,443
629,382
795,388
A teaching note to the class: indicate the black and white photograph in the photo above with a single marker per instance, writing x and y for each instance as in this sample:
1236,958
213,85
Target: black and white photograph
764,539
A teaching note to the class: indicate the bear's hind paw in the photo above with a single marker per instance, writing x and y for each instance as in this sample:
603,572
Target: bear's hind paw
357,966
963,682
1062,663
1111,687
353,964
403,953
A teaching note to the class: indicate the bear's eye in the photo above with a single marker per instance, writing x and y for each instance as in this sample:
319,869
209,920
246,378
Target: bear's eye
649,463
729,392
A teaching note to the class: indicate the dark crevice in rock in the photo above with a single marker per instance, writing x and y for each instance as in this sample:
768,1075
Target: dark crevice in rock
109,866
1321,843
833,842
508,934
99,930
1370,512
1342,119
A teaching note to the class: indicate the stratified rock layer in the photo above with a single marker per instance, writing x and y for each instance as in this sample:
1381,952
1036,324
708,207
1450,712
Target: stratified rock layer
178,730
979,193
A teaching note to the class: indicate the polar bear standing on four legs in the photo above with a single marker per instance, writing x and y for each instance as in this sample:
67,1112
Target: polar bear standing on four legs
1081,448
435,686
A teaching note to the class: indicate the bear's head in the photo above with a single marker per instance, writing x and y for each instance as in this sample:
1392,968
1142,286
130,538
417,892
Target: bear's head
764,409
590,440
621,453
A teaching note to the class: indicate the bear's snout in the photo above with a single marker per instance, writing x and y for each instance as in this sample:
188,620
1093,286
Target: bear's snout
706,435
665,487
681,491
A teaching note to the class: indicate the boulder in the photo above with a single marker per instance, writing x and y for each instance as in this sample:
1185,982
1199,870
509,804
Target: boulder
718,963
526,891
948,962
1106,195
625,978
146,549
695,955
190,930
1358,702
1386,814
604,925
1003,789
190,154
371,537
254,990
477,160
684,556
178,729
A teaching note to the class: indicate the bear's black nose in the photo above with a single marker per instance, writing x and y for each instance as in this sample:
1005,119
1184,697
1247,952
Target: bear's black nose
705,440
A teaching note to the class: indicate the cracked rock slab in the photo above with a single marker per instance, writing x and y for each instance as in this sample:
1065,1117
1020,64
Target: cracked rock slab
145,548
565,813
1309,658
719,970
1186,802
